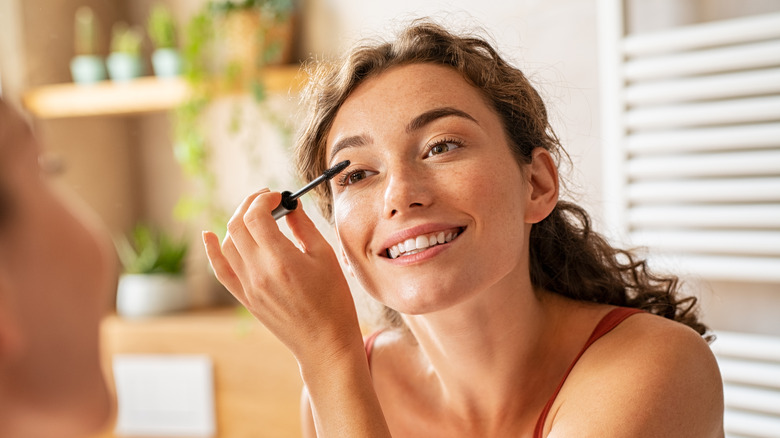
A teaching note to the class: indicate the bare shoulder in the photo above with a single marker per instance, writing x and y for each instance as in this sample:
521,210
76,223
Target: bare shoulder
648,377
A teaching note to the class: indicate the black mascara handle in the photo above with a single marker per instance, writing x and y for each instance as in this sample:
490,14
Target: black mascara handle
290,200
287,205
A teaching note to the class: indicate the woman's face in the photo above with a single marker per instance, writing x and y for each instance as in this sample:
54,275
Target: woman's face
431,209
56,275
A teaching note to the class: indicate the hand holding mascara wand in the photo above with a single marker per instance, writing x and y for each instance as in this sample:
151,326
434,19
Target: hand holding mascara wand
290,200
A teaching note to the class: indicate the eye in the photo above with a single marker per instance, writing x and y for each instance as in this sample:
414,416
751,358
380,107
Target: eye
441,147
352,177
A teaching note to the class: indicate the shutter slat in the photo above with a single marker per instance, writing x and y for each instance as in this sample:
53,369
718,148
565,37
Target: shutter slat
751,424
748,346
719,267
750,366
703,35
744,190
705,216
753,136
763,243
752,399
758,109
745,57
754,163
748,372
704,88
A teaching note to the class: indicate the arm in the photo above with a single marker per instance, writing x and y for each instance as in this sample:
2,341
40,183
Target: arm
325,401
650,377
302,297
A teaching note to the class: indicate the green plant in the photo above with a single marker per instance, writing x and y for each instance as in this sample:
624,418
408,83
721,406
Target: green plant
275,8
207,77
152,251
126,39
85,31
161,27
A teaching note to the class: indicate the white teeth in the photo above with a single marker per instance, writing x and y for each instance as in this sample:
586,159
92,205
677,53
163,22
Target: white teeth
419,243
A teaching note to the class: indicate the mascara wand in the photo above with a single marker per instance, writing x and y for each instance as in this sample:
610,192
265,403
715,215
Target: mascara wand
290,200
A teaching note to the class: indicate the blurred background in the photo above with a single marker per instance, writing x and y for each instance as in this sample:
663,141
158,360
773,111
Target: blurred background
176,154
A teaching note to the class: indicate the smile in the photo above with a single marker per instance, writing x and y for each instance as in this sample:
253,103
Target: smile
413,245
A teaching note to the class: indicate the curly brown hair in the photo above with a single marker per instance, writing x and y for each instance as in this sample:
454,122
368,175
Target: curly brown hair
566,256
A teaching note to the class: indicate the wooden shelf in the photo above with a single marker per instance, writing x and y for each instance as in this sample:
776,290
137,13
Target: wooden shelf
142,95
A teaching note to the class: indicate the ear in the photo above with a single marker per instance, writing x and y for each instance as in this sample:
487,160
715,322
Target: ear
542,186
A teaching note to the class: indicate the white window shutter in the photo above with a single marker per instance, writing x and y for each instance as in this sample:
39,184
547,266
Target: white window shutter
691,131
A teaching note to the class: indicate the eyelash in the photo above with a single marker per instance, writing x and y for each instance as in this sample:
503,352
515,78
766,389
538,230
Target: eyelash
343,180
443,141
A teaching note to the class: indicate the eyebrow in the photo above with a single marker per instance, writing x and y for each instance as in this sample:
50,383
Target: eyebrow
349,142
417,123
435,114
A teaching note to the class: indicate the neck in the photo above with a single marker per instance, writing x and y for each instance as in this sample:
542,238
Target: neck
505,338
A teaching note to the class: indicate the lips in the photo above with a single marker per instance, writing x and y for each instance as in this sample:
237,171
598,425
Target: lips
419,243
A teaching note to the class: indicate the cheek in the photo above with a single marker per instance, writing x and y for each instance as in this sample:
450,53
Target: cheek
355,222
351,217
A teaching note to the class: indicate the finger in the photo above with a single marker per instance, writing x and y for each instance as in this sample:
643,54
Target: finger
221,266
305,232
262,226
238,215
233,257
237,228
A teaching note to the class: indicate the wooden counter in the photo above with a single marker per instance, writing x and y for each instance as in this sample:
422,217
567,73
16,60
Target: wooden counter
256,382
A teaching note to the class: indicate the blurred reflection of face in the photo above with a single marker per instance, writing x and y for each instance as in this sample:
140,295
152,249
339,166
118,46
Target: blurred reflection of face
56,273
430,210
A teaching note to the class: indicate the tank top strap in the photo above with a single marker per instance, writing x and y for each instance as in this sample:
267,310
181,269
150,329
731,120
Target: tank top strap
607,323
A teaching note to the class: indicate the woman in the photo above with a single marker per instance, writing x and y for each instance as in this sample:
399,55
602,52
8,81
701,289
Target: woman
507,316
56,273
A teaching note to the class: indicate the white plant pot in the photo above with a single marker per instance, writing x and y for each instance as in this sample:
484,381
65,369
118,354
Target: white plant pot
166,63
123,67
87,69
141,295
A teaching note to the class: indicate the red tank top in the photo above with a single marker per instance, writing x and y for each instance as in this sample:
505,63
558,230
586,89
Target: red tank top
607,323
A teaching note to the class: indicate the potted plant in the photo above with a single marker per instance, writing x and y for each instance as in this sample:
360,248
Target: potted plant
124,61
253,33
86,67
161,27
152,280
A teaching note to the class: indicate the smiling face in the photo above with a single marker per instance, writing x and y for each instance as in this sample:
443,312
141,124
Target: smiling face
432,208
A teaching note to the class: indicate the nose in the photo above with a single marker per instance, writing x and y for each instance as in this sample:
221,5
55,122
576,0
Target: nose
406,189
